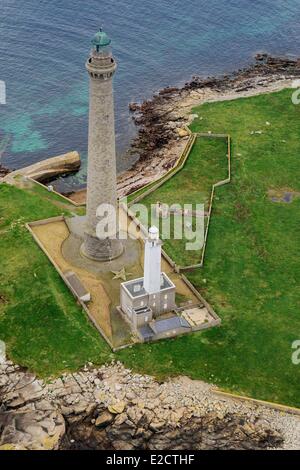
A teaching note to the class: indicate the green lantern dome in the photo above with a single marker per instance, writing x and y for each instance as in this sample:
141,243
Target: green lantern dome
100,40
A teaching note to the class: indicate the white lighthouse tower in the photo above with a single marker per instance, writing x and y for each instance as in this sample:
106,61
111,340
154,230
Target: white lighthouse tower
152,262
145,299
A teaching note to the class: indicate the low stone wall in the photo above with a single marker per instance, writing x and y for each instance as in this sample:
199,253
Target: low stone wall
169,174
214,186
180,164
61,274
65,198
273,406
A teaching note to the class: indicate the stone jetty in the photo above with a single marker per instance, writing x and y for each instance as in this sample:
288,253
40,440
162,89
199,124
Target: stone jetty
48,169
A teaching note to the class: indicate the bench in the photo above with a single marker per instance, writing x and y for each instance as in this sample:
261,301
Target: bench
77,287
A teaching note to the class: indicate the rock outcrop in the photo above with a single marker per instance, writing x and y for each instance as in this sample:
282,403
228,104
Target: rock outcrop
112,408
46,170
3,171
161,120
158,119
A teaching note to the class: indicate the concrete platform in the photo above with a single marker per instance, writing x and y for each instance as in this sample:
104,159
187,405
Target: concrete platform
60,238
72,253
197,316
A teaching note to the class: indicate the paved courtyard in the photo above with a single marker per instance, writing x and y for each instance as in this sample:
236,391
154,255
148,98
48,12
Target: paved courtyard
61,240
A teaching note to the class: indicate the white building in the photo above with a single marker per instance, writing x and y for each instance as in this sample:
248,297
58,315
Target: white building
148,298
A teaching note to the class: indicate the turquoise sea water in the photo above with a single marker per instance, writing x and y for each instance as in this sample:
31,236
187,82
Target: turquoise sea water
44,45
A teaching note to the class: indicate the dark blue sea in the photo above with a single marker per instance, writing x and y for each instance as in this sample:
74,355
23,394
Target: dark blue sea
44,45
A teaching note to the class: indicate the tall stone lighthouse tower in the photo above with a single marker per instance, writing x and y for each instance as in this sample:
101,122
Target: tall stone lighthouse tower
101,181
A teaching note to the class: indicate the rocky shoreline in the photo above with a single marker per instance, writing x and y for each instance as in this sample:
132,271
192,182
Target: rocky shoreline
161,120
4,171
115,409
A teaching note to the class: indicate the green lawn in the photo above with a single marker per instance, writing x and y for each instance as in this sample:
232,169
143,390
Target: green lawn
251,273
40,322
207,164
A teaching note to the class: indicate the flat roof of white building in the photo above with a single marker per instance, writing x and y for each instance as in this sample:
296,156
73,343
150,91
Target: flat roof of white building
135,288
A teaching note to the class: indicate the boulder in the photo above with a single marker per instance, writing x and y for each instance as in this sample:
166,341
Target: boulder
3,171
23,393
104,419
35,430
182,132
117,408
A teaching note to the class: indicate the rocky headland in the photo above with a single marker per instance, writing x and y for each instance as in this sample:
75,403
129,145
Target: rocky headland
161,121
113,408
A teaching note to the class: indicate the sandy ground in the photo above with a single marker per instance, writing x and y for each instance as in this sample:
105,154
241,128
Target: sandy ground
52,237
